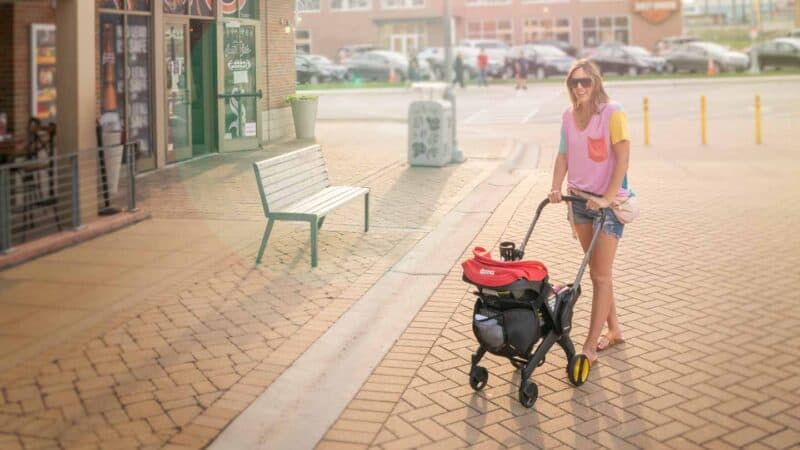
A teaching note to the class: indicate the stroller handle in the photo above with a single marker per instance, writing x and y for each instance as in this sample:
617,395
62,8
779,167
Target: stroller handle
568,198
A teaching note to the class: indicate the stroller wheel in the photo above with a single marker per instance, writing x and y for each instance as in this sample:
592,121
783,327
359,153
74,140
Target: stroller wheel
578,369
528,393
478,378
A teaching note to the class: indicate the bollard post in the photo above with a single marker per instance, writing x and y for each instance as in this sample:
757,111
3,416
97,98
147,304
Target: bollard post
76,198
646,122
5,211
131,163
703,120
758,119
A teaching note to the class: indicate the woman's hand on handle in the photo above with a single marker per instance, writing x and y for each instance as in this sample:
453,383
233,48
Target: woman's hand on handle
554,196
597,203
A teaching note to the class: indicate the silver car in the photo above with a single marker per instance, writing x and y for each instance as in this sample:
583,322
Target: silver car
695,57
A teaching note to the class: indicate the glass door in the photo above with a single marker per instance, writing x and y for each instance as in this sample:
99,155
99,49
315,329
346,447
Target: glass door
240,114
179,98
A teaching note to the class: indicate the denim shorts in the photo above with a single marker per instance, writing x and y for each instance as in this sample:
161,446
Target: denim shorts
611,225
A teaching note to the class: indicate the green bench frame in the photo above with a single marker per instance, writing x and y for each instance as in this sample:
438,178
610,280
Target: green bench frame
296,187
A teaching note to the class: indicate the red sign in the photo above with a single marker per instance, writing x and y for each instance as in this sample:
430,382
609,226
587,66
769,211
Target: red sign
655,11
231,6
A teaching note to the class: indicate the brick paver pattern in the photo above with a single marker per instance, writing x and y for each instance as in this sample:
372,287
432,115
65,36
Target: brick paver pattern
706,285
175,369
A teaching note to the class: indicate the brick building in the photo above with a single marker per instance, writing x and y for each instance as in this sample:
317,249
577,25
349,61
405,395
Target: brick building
408,25
183,77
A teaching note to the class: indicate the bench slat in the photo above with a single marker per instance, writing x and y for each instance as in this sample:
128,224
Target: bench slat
325,201
294,193
270,179
302,154
274,190
297,165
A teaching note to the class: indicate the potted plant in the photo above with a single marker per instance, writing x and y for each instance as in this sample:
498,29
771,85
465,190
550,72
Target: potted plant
304,112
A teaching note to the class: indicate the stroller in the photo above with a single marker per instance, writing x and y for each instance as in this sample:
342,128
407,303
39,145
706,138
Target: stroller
516,306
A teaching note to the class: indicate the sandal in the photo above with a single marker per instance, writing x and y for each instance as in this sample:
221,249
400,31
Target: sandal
610,341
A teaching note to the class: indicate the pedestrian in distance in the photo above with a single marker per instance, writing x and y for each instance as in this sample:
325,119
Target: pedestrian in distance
593,156
483,63
521,71
458,68
413,68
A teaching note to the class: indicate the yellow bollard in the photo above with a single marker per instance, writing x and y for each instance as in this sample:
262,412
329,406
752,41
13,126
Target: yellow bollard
703,119
646,122
758,119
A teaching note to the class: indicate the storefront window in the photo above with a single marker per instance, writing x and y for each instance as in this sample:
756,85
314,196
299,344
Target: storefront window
191,7
124,50
597,30
138,84
130,5
490,29
546,29
240,78
242,9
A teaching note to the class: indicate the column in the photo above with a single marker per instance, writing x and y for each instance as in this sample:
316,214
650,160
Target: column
75,84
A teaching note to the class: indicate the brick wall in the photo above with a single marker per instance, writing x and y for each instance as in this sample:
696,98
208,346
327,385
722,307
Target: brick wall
280,70
24,14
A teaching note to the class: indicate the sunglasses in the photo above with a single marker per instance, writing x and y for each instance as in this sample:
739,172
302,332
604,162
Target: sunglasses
583,82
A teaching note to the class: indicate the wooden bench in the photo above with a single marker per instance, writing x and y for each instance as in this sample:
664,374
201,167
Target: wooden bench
296,187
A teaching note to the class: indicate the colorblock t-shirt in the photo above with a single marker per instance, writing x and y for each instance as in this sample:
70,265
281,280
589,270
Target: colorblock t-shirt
590,159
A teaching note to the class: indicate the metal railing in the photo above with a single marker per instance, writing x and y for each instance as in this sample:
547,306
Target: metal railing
42,196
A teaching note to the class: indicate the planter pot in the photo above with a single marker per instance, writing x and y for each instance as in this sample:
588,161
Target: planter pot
304,113
112,141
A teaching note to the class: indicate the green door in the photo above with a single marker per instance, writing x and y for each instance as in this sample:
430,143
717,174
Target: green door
239,98
178,93
203,86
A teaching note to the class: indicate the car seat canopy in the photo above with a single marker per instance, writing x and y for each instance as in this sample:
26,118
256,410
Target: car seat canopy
484,271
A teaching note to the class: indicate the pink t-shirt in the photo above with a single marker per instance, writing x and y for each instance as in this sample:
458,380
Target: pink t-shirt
590,159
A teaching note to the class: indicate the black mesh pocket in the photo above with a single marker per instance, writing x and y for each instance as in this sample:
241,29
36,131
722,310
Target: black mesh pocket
521,329
487,324
510,332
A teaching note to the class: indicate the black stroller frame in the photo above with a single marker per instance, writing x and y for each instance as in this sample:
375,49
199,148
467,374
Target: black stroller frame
555,316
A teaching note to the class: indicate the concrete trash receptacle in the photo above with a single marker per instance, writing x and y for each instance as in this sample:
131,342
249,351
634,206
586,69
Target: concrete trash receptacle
430,133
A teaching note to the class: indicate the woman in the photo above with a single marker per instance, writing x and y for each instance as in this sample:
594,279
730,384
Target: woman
594,150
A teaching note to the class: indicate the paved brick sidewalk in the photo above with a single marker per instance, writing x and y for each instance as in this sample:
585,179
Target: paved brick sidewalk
705,284
171,364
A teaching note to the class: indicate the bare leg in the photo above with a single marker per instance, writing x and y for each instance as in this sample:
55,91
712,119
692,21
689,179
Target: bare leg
603,307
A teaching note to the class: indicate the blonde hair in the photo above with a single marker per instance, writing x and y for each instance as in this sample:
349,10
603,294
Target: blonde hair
598,92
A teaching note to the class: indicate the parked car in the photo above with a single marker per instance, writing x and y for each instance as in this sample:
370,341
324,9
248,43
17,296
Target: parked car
376,65
779,53
306,71
627,59
496,49
328,71
561,45
694,57
664,46
349,51
434,58
543,60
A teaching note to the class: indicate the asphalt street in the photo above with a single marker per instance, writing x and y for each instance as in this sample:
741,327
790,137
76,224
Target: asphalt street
544,102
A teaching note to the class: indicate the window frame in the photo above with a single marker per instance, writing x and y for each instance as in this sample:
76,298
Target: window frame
349,8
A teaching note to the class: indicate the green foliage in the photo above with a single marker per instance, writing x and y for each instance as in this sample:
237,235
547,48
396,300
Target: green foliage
300,98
